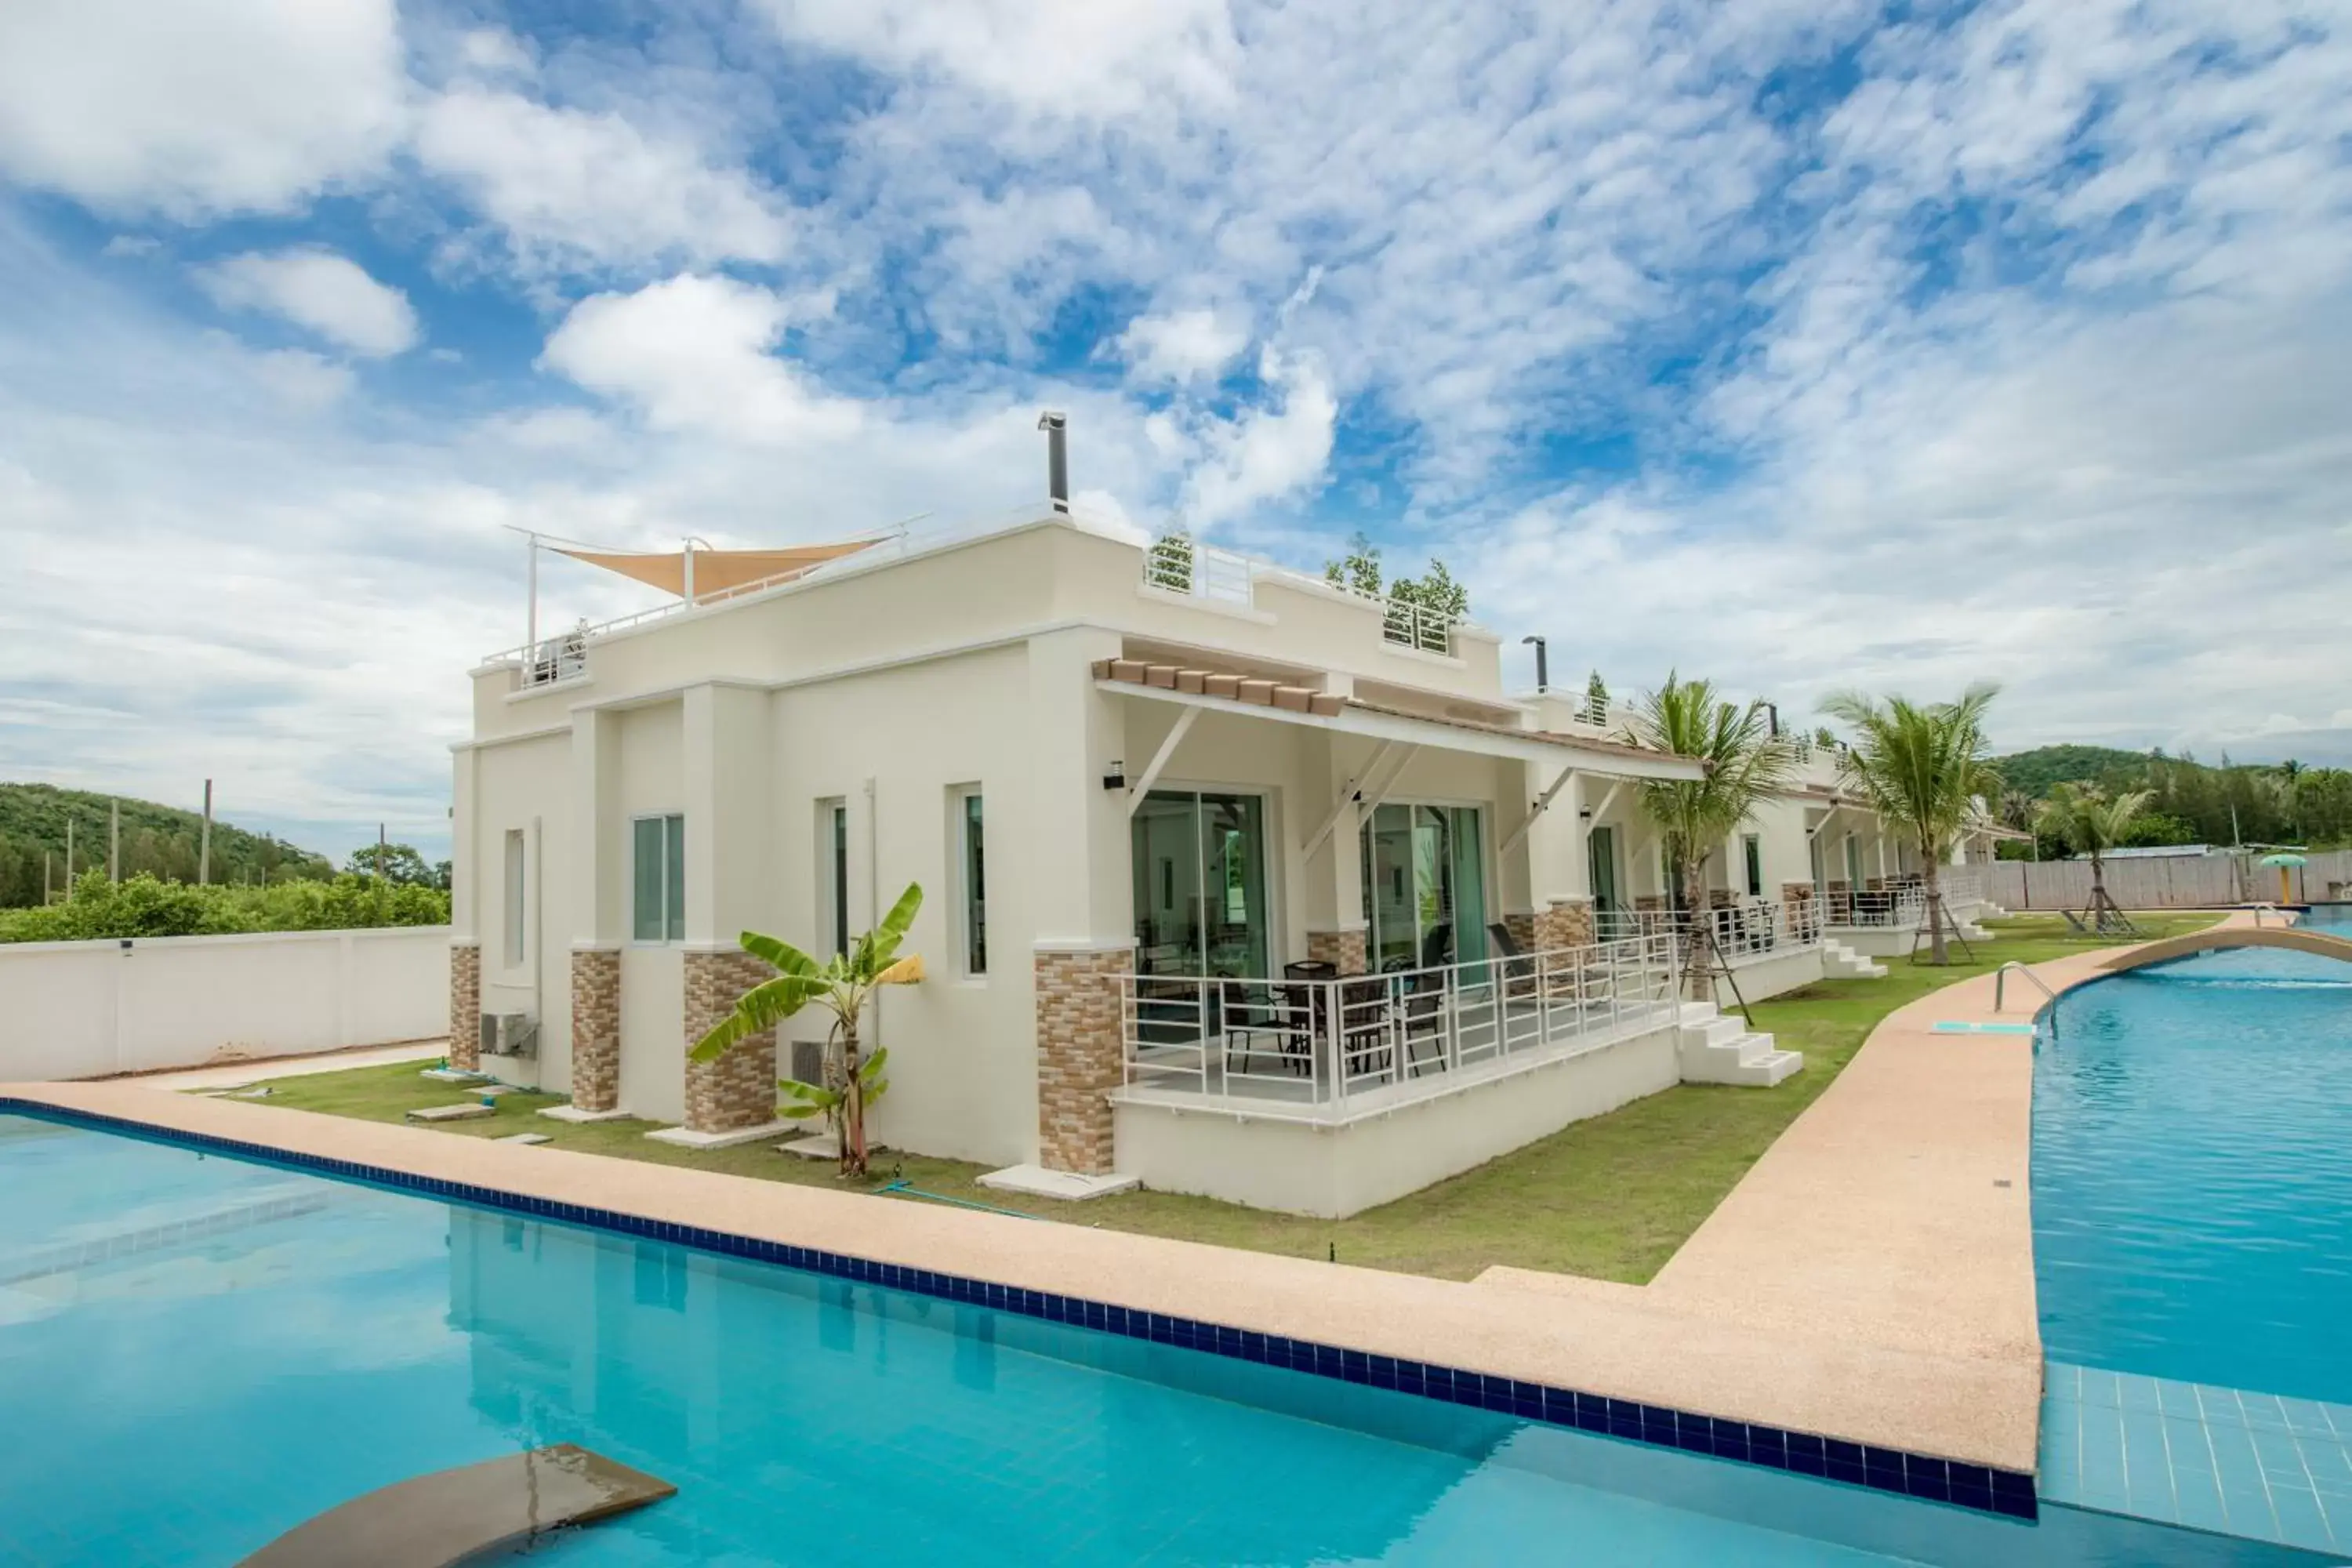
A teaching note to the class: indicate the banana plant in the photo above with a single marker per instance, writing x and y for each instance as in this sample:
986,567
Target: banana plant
841,985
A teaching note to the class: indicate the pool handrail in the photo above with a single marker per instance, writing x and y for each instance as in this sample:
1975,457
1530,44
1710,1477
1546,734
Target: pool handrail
2000,981
2258,914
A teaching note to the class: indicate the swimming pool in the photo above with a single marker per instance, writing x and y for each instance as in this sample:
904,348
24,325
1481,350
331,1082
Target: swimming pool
212,1350
2192,1212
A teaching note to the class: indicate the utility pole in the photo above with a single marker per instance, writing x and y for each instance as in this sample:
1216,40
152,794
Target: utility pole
204,840
114,841
45,857
69,859
379,856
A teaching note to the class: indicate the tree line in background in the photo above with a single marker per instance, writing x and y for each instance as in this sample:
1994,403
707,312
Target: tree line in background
2187,802
257,883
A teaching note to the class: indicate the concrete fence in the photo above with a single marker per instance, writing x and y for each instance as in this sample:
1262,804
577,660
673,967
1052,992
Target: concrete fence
2171,882
85,1009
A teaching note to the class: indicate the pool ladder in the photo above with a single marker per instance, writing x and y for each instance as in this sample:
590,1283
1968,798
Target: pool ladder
2000,981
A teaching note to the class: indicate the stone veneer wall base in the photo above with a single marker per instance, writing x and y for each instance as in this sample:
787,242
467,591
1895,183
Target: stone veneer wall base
738,1091
1079,1004
465,1005
595,1029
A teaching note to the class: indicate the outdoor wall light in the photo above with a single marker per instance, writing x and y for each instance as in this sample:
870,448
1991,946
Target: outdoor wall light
1114,775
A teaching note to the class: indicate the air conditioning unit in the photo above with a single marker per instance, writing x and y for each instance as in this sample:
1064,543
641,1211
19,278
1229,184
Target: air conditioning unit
509,1035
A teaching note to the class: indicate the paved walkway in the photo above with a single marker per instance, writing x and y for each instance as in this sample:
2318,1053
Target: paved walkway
236,1074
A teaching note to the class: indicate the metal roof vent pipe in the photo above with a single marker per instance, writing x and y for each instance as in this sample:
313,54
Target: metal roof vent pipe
1056,426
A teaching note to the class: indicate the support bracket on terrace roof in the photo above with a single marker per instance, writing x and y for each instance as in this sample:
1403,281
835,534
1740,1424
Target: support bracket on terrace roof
1159,759
1542,805
1348,792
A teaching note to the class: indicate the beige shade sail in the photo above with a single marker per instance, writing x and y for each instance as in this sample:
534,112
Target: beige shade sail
715,570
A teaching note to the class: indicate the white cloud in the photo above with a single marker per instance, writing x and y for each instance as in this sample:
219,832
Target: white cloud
329,294
1181,346
1052,57
577,189
199,106
301,379
1266,453
694,353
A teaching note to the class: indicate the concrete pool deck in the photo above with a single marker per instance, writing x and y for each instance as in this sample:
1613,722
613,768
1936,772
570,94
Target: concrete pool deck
1870,1279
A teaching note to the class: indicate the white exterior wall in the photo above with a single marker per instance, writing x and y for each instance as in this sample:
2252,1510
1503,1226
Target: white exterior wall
523,787
1334,1172
86,1009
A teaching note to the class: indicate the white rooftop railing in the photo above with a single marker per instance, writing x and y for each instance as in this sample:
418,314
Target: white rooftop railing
1326,1049
1174,563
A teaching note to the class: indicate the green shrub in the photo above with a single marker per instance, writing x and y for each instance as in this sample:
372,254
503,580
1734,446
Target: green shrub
145,906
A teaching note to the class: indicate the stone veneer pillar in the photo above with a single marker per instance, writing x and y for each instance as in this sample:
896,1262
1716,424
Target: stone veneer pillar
1562,923
738,1089
1347,951
1080,1005
465,1005
595,1029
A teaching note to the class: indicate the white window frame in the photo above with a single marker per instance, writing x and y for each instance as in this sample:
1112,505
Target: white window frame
515,886
960,799
833,932
672,921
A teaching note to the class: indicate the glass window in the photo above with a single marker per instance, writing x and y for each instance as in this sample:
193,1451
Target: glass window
516,884
975,889
1754,848
1199,863
657,879
832,878
1424,880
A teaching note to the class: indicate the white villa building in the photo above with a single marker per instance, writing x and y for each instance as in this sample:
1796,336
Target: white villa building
1236,882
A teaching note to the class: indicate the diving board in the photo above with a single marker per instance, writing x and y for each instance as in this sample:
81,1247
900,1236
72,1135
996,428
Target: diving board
2219,937
463,1514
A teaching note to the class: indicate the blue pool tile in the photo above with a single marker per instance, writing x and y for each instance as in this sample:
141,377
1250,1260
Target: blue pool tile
2178,1398
2103,1451
2340,1417
2199,1500
2261,1409
2134,1391
2305,1415
2300,1520
2329,1462
2189,1446
2281,1459
2099,1388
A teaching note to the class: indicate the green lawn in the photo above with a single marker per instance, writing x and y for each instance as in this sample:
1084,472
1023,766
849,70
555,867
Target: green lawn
1612,1197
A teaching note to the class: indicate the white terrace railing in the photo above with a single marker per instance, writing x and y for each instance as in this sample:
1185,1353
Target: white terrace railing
1328,1049
1744,931
1900,907
1960,886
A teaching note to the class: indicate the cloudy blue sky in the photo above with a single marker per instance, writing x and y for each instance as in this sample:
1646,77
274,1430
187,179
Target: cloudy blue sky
1803,343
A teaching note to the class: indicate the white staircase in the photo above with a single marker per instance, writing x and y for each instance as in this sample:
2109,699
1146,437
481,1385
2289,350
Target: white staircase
1840,961
1717,1049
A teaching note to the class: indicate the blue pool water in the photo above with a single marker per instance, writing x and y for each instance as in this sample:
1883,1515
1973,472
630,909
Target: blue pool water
2192,1173
197,1353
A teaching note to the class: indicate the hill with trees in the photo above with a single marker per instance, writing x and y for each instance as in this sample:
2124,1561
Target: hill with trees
159,841
257,882
2194,802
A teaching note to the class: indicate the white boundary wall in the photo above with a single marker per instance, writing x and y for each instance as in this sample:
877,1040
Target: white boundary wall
86,1009
2167,882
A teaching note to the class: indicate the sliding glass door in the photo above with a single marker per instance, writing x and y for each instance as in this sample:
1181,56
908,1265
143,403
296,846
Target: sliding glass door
1425,871
1200,884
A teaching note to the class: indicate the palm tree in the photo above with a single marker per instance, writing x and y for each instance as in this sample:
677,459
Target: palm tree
2082,817
1921,766
841,985
2016,809
1745,762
